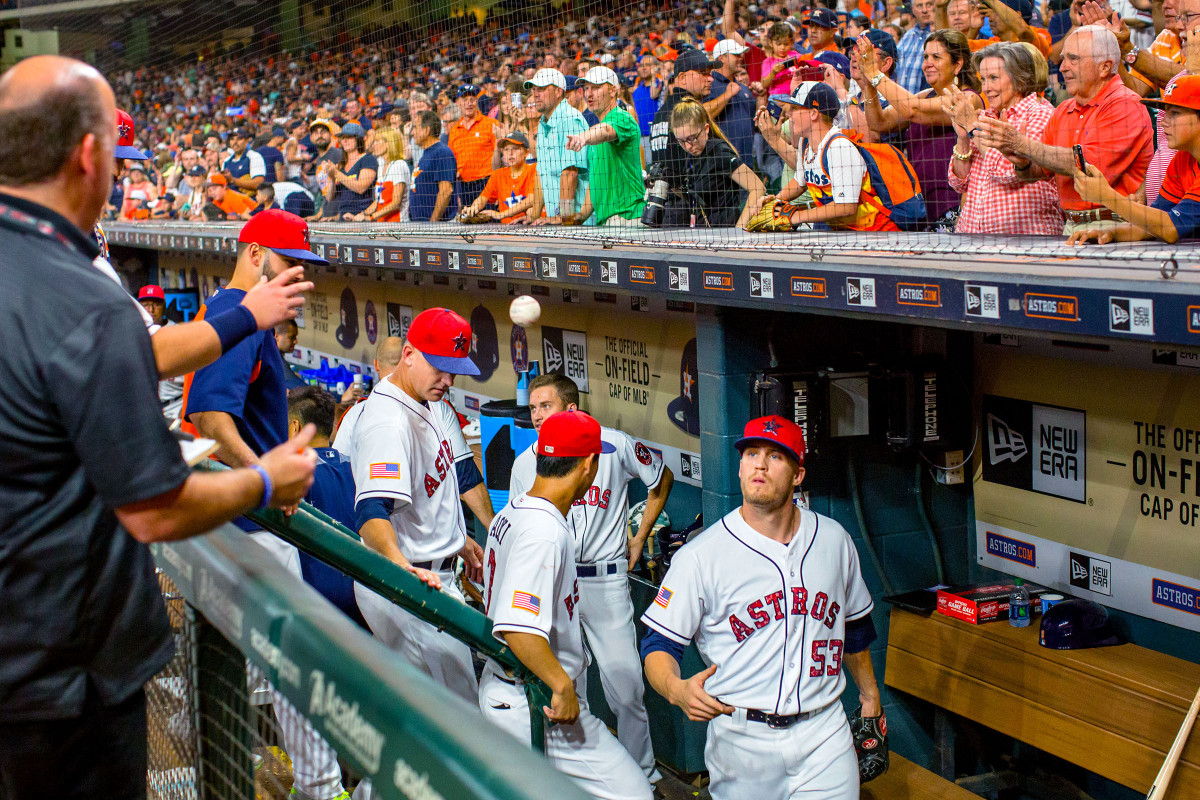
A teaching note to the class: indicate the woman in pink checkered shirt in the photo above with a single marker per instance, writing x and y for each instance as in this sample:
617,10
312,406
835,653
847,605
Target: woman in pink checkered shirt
995,199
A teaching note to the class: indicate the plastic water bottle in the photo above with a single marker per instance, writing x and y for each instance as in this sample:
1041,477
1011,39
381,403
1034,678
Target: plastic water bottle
1018,605
523,389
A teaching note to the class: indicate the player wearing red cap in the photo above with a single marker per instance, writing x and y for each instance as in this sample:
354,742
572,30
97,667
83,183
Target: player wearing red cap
407,505
773,597
192,345
531,593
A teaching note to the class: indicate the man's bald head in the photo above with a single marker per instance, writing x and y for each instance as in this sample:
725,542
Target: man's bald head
48,107
387,355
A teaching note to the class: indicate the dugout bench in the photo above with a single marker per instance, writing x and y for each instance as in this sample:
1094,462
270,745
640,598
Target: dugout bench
1114,711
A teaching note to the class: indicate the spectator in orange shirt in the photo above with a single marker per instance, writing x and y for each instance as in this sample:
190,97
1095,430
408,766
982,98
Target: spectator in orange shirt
472,139
1102,115
512,188
234,205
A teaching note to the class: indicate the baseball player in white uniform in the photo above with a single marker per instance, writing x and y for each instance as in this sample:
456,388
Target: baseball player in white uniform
470,481
773,597
532,594
603,556
406,500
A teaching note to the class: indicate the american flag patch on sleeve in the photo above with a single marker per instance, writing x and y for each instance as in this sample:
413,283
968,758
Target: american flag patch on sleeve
664,597
385,470
528,602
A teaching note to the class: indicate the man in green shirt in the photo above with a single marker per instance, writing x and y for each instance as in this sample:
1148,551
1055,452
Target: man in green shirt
614,153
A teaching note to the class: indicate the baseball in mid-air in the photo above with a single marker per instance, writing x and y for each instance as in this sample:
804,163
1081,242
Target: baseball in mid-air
524,310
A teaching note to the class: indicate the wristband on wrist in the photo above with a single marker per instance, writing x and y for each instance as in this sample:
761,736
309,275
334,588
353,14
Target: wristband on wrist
268,487
233,326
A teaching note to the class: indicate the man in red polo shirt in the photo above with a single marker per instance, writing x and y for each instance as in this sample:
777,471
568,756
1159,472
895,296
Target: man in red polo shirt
1175,214
472,139
1102,115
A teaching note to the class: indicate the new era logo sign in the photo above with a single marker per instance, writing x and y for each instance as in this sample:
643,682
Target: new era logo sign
608,272
414,258
679,279
549,267
1004,444
1131,315
689,466
554,359
860,292
982,301
762,284
1091,573
497,263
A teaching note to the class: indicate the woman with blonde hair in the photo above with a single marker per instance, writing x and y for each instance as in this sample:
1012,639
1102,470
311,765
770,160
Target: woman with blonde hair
395,178
720,187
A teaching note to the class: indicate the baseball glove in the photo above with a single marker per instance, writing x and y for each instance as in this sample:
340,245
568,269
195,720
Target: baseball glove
773,217
870,744
475,219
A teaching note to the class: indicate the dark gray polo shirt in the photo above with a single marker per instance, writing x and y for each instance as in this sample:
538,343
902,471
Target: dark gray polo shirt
80,435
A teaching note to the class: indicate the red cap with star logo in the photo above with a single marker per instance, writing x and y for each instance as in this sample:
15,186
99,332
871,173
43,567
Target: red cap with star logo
571,434
783,433
125,148
281,231
444,338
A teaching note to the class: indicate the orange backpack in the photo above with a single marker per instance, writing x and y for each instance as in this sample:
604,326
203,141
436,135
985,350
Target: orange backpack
892,179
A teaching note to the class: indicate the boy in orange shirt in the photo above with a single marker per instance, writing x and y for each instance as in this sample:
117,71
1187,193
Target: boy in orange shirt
511,189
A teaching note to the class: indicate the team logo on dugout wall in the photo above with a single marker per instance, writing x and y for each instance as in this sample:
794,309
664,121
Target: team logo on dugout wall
1035,447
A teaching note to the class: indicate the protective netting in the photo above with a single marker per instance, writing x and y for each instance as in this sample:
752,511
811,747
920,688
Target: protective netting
642,118
217,729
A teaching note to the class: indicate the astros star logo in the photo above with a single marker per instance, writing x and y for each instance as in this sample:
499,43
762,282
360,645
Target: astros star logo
688,382
770,426
460,342
124,131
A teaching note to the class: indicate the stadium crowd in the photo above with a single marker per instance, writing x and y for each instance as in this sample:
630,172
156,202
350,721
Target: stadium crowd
972,116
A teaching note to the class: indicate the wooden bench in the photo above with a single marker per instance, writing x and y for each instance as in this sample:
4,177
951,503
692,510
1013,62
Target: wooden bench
904,780
1114,710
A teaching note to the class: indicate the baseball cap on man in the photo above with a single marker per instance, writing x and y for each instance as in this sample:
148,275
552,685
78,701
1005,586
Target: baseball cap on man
776,430
822,18
217,179
727,47
124,147
281,231
152,291
547,77
197,172
883,40
1183,92
467,89
353,129
815,95
571,434
444,338
600,75
693,60
836,60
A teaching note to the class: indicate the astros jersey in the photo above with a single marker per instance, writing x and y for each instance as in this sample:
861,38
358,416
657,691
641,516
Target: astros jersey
836,173
344,441
529,578
599,521
771,615
402,453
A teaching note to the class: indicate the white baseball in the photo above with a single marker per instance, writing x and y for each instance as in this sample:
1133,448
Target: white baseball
524,310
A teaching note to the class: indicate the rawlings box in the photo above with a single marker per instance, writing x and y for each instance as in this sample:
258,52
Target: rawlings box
983,603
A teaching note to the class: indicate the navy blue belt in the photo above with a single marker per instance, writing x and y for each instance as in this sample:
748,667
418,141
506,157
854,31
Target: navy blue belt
781,720
437,565
593,571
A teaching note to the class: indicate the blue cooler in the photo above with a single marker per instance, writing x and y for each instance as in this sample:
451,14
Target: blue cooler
505,430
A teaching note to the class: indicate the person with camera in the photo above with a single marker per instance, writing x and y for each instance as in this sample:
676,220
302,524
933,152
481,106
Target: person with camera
716,180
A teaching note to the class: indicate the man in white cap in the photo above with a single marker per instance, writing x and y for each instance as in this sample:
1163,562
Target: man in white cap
562,173
613,151
729,103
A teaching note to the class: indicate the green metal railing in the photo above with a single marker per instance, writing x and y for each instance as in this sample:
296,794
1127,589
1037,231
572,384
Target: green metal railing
386,719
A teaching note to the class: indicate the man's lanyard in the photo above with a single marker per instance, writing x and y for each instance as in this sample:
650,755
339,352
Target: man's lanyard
38,226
